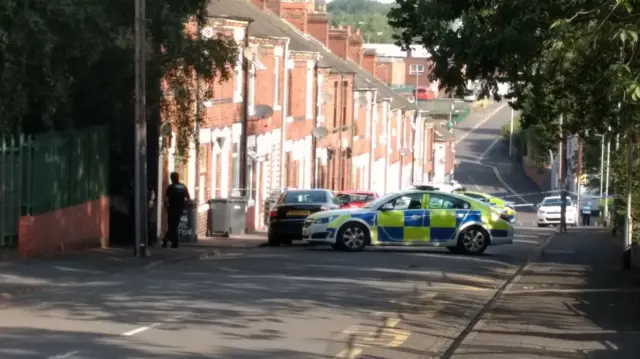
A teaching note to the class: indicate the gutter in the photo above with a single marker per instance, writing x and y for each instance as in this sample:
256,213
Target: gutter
372,135
314,140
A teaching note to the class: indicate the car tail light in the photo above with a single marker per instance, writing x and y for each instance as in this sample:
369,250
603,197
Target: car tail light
273,213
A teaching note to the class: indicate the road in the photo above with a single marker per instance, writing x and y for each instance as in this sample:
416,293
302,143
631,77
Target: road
485,165
299,302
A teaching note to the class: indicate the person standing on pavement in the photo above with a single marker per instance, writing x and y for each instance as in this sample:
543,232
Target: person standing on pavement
176,198
586,214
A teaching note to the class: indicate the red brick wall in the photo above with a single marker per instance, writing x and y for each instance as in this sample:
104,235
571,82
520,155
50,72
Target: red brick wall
423,79
301,126
295,14
354,50
318,27
428,152
334,110
338,42
380,151
78,227
369,63
383,72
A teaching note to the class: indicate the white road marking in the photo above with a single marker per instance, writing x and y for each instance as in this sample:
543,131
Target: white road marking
491,146
65,355
139,330
480,123
611,345
574,291
350,353
502,181
525,241
526,236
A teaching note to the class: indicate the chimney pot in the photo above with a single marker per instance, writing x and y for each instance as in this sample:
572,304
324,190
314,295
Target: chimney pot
357,32
348,27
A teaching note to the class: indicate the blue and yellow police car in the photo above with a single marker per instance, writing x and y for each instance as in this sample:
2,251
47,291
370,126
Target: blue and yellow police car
415,217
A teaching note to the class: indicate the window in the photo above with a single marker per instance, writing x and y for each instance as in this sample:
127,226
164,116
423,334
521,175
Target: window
476,196
345,85
335,103
415,69
309,84
439,201
290,94
305,197
276,82
409,201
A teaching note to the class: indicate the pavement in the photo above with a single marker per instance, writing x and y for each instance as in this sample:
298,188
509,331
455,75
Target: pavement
551,293
574,301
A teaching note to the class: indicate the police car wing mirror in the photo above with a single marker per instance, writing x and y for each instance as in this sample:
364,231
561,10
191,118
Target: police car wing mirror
539,205
386,207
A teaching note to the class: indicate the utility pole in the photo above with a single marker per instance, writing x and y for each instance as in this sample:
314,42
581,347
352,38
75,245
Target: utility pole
511,134
579,175
563,180
601,165
140,176
606,183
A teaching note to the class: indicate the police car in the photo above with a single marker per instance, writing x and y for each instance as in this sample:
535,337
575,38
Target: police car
415,217
506,206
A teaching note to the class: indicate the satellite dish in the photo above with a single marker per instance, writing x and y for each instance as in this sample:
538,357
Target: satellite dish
263,111
411,99
320,132
325,98
405,152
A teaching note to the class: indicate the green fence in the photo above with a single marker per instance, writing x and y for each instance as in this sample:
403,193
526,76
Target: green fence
39,174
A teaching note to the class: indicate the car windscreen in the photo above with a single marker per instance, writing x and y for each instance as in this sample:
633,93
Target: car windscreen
556,202
305,197
380,200
359,197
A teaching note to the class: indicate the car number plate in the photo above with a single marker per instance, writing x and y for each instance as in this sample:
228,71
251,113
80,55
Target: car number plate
298,213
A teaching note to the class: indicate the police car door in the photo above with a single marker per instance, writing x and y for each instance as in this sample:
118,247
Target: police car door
445,214
401,219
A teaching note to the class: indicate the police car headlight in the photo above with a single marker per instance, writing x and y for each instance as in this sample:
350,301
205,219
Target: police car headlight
325,220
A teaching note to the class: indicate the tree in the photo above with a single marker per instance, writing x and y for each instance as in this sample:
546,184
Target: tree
577,59
69,64
369,16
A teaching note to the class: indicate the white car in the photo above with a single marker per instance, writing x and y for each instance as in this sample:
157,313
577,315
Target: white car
549,211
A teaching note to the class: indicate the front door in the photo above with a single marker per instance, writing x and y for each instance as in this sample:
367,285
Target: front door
403,221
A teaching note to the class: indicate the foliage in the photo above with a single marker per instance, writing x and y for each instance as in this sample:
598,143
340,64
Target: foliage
69,64
576,61
369,16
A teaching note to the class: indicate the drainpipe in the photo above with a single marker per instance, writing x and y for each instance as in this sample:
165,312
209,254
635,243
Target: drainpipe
245,119
285,110
414,128
372,135
314,140
340,120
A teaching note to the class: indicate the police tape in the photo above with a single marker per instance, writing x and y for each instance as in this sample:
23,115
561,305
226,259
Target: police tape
558,192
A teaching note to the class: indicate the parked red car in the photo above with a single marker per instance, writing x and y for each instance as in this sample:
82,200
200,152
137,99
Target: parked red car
355,199
423,94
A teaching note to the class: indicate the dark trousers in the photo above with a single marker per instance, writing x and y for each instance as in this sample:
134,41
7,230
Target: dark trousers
173,220
586,219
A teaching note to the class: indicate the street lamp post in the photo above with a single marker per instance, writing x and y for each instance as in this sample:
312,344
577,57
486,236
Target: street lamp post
511,134
140,170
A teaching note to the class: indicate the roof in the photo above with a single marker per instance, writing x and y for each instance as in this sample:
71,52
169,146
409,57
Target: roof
267,24
392,50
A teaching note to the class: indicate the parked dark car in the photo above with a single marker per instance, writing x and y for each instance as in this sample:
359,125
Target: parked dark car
286,218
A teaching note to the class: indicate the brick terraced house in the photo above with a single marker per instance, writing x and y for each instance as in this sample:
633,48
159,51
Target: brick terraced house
313,77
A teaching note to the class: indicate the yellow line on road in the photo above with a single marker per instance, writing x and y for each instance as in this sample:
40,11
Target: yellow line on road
350,353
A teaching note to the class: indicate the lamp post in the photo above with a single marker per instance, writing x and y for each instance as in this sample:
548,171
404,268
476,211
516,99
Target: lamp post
140,170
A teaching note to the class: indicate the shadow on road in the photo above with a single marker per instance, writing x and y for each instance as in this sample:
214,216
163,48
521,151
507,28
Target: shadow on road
575,302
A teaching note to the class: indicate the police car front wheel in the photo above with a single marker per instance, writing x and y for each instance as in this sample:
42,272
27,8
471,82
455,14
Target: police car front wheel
352,237
473,240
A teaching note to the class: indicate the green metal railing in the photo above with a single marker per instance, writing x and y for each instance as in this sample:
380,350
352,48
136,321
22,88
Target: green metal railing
39,174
